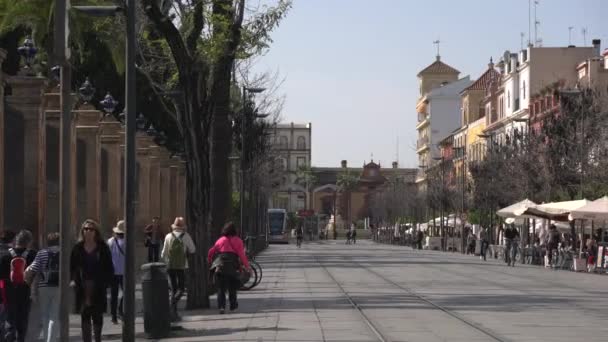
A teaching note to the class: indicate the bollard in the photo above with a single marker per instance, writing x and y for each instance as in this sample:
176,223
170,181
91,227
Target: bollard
157,322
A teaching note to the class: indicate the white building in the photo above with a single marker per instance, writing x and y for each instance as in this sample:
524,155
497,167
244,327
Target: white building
292,148
438,111
524,74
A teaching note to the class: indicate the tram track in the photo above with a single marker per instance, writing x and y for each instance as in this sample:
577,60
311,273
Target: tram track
377,330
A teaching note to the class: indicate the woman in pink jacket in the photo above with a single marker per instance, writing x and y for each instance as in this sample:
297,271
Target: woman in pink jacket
226,257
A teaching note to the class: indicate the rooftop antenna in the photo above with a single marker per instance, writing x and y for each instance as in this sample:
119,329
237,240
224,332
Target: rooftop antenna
397,150
536,24
584,32
529,22
437,42
570,35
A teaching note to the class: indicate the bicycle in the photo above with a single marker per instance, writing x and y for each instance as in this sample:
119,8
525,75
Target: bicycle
256,269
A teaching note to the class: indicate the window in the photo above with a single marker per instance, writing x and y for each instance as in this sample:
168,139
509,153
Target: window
301,143
283,142
524,90
300,162
508,99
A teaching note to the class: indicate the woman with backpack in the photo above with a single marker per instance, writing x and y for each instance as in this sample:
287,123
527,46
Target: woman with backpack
92,272
178,244
228,253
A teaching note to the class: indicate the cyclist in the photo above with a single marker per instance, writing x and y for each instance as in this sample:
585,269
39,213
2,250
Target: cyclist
511,243
299,236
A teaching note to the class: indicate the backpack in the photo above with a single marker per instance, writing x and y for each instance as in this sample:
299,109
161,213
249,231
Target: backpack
51,274
177,253
18,265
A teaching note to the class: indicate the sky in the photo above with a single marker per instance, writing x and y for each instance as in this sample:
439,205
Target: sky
350,66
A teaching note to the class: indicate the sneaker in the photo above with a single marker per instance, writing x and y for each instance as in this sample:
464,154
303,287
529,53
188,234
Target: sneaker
114,321
221,311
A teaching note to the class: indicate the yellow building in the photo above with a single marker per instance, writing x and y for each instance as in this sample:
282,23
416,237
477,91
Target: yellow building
468,141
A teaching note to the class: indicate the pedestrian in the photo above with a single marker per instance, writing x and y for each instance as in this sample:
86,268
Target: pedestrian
353,233
12,272
154,236
511,236
228,254
470,242
483,239
45,267
178,244
92,272
117,249
420,238
553,240
6,243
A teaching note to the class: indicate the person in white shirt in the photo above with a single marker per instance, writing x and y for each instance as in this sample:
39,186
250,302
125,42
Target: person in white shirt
117,248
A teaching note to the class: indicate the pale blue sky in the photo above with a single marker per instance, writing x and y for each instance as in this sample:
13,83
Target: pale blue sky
350,65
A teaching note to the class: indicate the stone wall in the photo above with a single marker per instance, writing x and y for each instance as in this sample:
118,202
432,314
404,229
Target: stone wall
29,162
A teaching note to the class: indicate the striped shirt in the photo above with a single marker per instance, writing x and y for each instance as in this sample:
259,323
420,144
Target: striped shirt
41,263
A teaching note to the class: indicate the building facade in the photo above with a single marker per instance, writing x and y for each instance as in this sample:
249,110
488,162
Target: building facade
438,111
291,144
526,73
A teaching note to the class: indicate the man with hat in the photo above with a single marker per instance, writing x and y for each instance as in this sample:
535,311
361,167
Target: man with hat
178,245
117,248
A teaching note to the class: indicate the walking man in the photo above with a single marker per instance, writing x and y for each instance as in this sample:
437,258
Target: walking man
46,268
12,271
483,239
178,244
117,248
154,235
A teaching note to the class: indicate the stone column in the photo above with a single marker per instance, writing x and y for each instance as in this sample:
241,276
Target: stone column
52,163
167,215
181,188
142,213
173,198
155,183
2,142
27,100
86,121
111,141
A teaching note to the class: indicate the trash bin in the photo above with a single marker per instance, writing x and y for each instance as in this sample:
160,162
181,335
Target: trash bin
157,322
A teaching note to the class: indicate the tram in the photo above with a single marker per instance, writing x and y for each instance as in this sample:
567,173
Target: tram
277,226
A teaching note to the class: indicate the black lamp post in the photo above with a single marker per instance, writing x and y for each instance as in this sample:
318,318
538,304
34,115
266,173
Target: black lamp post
244,135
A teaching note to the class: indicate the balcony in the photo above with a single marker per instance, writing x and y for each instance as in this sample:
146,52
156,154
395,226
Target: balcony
423,120
422,143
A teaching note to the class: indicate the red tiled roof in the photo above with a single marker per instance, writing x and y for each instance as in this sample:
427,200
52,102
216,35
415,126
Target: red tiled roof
438,67
484,80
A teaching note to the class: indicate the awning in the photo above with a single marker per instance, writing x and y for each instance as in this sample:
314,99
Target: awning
596,210
518,207
556,211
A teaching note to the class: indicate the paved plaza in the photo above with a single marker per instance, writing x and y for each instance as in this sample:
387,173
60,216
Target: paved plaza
368,292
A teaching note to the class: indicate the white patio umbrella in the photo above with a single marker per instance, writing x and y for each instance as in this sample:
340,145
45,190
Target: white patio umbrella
596,210
513,209
557,211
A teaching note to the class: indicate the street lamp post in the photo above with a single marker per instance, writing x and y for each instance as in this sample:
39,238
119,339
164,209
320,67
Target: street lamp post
62,56
441,207
244,135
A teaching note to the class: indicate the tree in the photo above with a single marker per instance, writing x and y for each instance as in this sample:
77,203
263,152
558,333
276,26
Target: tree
347,182
306,177
204,44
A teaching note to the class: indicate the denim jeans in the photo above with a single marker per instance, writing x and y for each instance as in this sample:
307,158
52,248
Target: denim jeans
49,312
